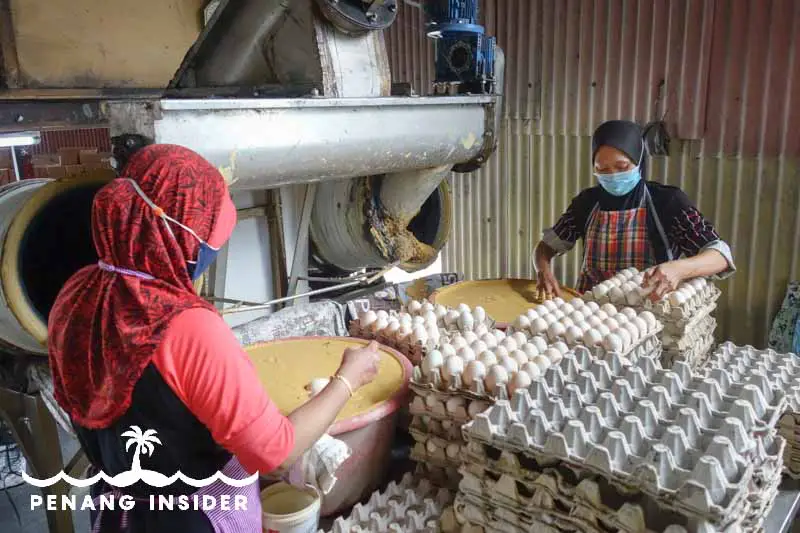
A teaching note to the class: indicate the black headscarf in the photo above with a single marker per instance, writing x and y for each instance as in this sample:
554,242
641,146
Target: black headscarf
626,137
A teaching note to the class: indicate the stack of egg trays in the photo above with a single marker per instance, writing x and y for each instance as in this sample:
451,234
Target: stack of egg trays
693,448
554,496
780,372
402,507
647,346
693,347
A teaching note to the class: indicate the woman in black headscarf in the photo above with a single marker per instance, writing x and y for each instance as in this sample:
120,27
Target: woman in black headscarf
626,221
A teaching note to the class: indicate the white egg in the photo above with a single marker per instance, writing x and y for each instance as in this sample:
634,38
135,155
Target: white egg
496,376
316,385
593,321
447,350
532,369
554,355
430,317
531,315
626,338
628,286
567,308
641,325
556,331
687,289
530,350
500,351
541,310
603,329
615,281
479,314
567,322
561,347
433,333
453,450
593,306
414,306
466,322
488,359
439,310
612,342
499,334
380,324
509,344
550,319
432,361
459,342
419,335
479,346
431,446
367,318
451,318
677,298
477,407
584,326
573,335
519,380
586,311
542,362
403,332
559,314
392,328
616,295
550,305
522,322
609,309
519,356
628,312
621,318
611,324
463,308
466,354
453,366
489,339
559,301
470,337
520,338
540,343
592,338
633,331
406,319
426,306
650,319
417,320
538,326
577,316
602,315
638,279
599,291
577,303
475,370
634,297
508,363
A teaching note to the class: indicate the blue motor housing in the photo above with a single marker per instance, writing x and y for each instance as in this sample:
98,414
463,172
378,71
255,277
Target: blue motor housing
465,56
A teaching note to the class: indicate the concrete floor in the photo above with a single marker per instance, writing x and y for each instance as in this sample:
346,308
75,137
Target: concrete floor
36,521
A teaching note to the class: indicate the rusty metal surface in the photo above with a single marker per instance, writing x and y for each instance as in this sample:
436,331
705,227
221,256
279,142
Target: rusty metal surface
725,72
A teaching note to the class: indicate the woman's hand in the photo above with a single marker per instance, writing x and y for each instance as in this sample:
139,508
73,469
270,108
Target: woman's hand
547,284
360,365
663,279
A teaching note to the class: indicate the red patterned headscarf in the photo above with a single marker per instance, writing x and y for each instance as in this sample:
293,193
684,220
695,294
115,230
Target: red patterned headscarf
104,325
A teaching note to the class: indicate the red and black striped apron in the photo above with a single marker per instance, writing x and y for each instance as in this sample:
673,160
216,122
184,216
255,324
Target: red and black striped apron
616,240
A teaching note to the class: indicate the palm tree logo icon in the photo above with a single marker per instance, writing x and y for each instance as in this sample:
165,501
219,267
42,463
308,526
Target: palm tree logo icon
145,443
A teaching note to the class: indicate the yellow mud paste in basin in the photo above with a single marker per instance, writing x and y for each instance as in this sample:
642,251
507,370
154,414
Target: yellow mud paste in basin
503,299
287,366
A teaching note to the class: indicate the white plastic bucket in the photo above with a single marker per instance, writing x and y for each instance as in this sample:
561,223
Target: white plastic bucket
288,509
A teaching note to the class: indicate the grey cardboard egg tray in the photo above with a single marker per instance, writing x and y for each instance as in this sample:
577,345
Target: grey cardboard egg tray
423,425
691,336
436,451
440,476
678,328
402,507
453,407
589,504
695,356
617,440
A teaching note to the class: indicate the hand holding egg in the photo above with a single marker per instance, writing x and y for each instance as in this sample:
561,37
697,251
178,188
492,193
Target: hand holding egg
663,279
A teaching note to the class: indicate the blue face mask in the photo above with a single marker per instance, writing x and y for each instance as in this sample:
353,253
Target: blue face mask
620,183
206,254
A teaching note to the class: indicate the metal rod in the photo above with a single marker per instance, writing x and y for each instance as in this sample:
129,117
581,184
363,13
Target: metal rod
17,177
277,244
301,243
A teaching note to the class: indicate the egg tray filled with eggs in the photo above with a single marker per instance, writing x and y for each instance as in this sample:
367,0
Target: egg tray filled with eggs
646,432
695,354
625,288
553,500
411,505
602,328
436,451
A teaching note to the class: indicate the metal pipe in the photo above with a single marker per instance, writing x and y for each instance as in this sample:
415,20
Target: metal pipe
17,177
403,193
237,59
277,244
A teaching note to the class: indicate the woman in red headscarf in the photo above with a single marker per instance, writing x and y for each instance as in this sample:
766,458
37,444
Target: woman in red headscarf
134,348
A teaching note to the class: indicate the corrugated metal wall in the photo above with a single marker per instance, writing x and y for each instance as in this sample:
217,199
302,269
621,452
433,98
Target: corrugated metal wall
724,75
